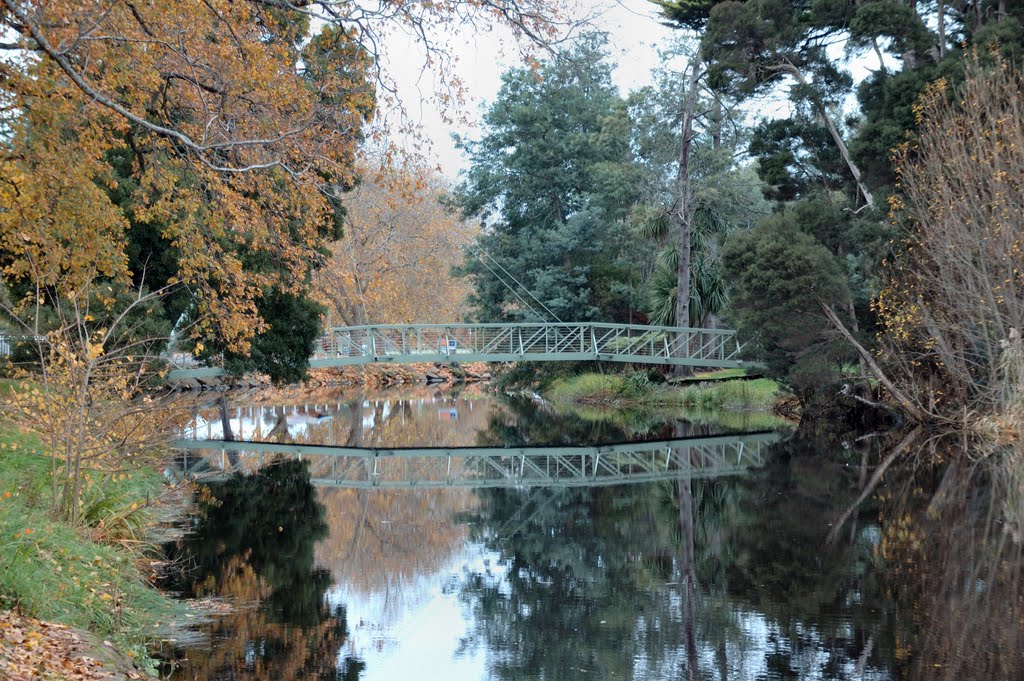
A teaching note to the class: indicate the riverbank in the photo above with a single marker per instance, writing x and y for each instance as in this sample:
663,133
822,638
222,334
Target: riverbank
704,391
87,579
387,375
379,375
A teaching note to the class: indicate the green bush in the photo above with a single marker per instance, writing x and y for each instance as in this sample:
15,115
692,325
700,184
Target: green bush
636,386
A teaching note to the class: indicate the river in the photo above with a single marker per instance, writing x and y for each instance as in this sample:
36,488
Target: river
584,551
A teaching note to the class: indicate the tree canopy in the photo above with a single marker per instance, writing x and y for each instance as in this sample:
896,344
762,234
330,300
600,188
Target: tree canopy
197,148
551,179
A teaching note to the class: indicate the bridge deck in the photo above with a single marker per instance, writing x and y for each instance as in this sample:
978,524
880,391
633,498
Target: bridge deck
540,342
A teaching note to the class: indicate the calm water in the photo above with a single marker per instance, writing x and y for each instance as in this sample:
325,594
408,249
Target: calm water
793,565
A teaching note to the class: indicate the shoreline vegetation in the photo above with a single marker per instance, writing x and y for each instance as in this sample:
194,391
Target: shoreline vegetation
89,579
705,391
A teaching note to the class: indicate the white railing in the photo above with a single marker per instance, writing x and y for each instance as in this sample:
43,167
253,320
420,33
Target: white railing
538,342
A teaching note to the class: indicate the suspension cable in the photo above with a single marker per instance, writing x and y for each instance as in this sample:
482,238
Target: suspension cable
505,284
512,277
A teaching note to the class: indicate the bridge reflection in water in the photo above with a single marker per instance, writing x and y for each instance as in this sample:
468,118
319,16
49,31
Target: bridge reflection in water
616,464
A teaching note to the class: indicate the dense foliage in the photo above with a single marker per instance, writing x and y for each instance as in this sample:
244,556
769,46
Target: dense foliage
831,169
552,180
783,226
199,149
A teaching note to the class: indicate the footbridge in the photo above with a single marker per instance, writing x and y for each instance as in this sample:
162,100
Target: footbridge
476,467
530,342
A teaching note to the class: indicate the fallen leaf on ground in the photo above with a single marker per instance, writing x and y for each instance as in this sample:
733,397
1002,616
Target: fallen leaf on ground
31,649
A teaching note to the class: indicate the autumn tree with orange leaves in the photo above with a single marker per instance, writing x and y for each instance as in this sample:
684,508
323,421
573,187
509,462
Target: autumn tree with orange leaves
203,143
169,127
394,264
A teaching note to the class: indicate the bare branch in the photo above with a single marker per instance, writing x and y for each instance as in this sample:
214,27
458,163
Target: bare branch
912,409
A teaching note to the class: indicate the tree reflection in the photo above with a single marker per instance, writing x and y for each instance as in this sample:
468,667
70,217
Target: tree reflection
803,568
254,549
954,562
572,602
726,578
381,541
764,552
533,423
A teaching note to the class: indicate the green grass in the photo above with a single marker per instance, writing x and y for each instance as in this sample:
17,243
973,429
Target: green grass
634,390
759,393
53,572
718,374
585,387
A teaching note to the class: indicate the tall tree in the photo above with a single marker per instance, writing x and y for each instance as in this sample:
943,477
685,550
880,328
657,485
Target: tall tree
752,47
551,181
681,213
694,176
401,241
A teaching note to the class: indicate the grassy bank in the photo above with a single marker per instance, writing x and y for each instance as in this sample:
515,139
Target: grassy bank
635,390
86,578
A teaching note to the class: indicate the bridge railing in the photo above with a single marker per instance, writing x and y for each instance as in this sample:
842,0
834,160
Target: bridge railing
10,341
584,340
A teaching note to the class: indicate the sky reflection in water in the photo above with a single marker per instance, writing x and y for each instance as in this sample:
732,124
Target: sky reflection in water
731,578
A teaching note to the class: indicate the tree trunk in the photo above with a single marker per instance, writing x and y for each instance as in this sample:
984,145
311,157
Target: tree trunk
355,423
878,53
279,433
855,327
716,124
681,215
836,137
941,16
909,58
914,411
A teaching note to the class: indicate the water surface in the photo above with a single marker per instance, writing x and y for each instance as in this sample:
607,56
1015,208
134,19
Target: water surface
767,571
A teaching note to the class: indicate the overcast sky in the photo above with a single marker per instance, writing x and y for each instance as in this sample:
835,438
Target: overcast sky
635,37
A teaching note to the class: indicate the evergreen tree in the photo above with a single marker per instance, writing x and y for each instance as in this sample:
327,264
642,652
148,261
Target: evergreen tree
552,181
780,273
